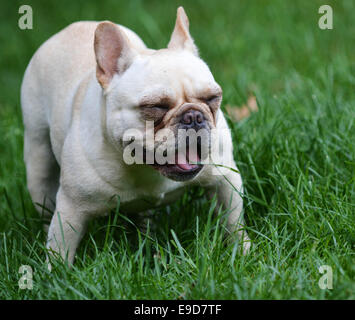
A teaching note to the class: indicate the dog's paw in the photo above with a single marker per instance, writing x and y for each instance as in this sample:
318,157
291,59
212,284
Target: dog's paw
246,246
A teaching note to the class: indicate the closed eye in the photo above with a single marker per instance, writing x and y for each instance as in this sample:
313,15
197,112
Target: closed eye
163,107
154,112
211,99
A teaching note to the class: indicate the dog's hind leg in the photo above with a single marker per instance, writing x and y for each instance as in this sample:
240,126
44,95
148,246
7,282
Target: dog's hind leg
42,171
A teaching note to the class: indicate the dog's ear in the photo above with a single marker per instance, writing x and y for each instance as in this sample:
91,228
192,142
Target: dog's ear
181,38
112,51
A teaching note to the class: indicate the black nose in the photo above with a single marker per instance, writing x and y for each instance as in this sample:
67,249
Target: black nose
193,119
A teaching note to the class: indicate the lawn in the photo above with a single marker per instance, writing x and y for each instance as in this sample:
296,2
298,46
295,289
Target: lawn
296,156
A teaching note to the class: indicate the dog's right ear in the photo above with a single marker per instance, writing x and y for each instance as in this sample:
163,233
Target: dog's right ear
112,51
181,38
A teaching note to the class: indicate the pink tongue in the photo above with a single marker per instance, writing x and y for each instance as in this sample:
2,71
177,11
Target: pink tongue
187,162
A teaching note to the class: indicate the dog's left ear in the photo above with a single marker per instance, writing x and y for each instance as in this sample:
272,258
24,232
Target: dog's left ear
181,38
113,52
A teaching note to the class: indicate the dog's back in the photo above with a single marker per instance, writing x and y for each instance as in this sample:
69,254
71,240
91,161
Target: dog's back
58,66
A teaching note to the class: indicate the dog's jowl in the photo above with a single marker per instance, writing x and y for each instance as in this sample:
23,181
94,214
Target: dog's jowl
90,85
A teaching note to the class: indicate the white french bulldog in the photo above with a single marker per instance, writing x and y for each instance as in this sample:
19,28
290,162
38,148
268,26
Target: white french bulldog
82,90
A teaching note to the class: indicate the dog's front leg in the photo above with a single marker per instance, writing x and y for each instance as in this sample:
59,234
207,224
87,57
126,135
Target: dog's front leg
228,191
67,228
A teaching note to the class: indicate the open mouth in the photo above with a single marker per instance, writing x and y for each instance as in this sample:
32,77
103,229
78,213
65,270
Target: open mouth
186,165
189,161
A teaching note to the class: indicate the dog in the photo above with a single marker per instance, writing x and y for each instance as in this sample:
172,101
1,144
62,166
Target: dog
82,91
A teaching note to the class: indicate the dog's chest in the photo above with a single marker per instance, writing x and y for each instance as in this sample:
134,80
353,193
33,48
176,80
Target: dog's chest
146,201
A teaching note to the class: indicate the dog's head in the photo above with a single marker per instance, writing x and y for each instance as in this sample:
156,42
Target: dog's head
172,89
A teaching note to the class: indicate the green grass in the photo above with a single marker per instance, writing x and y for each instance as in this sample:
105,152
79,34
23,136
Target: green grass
296,156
